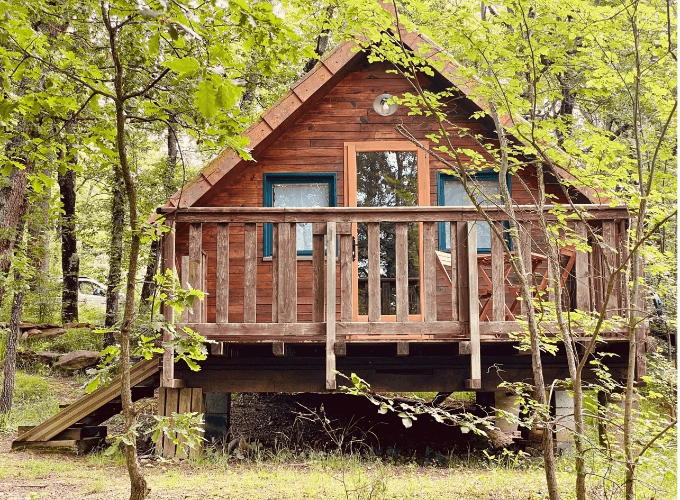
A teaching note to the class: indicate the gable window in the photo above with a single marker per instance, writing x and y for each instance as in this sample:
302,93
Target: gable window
450,193
298,190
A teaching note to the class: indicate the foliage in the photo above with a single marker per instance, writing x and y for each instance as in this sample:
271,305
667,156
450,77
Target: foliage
184,429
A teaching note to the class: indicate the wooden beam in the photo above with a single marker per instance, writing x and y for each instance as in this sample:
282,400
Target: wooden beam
330,307
168,264
455,281
401,258
402,348
275,273
429,272
250,274
525,244
346,277
279,349
318,277
195,259
373,271
583,299
287,273
461,229
610,262
222,274
497,276
473,304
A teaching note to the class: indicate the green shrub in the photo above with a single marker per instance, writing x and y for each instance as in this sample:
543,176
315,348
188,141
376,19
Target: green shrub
78,338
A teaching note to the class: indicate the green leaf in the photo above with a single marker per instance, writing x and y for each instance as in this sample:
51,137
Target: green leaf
204,99
185,66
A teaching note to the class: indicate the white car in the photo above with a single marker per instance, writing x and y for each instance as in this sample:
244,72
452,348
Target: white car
91,292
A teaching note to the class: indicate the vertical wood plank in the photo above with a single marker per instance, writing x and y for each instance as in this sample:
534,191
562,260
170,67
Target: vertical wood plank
197,406
204,286
623,249
401,254
330,307
184,283
463,291
610,262
222,274
473,304
275,273
525,243
374,308
250,274
171,405
345,277
318,284
497,277
287,273
160,411
429,272
195,259
583,284
168,311
455,282
184,407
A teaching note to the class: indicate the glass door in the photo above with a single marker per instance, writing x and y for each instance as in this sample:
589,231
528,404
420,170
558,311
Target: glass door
387,174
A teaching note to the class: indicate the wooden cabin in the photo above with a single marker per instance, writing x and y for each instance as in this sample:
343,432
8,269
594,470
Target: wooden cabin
346,246
410,304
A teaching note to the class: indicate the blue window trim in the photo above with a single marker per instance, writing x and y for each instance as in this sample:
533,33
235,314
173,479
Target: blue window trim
441,178
268,181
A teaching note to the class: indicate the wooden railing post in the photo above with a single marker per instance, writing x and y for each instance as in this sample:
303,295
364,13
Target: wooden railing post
250,273
318,266
610,262
222,274
429,270
168,263
330,307
401,258
195,261
475,380
497,276
287,268
374,299
343,231
583,301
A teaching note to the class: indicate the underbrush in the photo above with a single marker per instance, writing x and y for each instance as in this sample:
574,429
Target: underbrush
34,402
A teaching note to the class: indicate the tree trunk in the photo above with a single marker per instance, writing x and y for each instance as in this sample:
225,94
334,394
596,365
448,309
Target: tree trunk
321,44
70,261
12,198
148,288
115,252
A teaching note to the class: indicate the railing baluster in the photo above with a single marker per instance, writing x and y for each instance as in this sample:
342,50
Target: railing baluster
583,284
373,271
461,229
525,243
610,262
429,270
275,273
401,251
287,273
250,274
168,311
497,276
195,278
344,232
318,264
330,307
222,274
455,291
475,381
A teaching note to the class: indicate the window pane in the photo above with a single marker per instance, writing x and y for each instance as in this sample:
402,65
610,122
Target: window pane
487,193
302,195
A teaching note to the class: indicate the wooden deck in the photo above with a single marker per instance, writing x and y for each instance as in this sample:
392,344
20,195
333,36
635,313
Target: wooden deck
477,304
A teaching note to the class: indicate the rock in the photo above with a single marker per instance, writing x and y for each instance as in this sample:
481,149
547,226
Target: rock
48,333
33,332
48,357
78,359
27,326
45,326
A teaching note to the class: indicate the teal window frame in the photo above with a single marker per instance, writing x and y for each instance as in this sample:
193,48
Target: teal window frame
486,175
268,181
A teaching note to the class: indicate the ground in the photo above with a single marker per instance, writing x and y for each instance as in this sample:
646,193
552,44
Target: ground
25,475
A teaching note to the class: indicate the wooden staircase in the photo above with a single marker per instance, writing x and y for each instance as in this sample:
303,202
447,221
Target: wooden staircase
77,426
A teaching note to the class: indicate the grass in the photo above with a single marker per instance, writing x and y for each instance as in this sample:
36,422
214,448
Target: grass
34,401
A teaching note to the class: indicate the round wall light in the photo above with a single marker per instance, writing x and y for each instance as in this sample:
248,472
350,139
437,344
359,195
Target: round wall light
382,106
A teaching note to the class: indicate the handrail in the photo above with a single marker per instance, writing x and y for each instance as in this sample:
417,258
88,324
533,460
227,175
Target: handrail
377,214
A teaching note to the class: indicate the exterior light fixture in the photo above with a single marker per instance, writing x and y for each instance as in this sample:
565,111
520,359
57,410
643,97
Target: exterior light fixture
382,106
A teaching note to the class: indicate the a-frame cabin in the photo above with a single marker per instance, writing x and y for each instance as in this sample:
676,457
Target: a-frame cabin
410,304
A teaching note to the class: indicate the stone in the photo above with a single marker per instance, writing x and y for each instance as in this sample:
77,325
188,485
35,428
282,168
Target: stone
49,333
33,332
49,357
78,359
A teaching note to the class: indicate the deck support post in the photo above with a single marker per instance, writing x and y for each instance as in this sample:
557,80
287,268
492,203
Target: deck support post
475,380
330,307
168,263
178,401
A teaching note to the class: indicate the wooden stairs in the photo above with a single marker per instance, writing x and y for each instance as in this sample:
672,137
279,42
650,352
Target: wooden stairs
77,426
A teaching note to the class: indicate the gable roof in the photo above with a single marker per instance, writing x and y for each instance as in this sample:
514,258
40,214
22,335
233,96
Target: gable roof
312,87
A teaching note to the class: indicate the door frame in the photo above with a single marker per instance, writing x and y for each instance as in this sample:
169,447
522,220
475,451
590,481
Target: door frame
350,192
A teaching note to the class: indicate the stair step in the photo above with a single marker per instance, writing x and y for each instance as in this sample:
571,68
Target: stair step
78,433
80,446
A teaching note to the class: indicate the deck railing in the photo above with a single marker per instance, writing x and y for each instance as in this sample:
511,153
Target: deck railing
476,284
